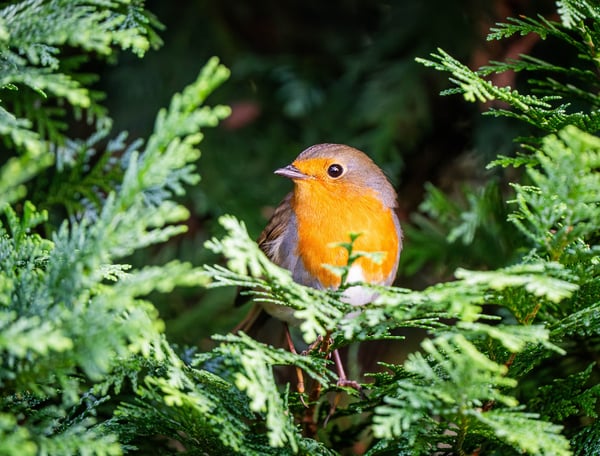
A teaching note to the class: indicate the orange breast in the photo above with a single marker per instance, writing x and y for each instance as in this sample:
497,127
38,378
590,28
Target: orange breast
326,216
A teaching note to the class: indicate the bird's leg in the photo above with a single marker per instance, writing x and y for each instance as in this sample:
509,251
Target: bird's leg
323,343
342,381
326,343
248,320
299,374
324,346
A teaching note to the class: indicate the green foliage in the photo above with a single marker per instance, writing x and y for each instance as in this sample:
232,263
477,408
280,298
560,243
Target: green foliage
454,384
467,231
219,403
564,187
469,388
502,366
71,315
41,83
554,101
552,97
455,369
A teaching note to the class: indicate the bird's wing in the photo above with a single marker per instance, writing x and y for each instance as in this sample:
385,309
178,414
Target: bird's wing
279,241
277,231
275,241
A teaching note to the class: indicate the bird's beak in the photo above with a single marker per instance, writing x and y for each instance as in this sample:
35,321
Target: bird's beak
291,172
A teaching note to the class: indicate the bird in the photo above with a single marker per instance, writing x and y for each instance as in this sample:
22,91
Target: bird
338,191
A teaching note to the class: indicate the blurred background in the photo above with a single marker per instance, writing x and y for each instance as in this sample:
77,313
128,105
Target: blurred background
306,72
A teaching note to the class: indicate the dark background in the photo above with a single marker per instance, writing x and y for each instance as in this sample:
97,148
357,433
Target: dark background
306,72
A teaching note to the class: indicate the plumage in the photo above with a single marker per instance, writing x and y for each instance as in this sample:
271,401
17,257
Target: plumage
338,190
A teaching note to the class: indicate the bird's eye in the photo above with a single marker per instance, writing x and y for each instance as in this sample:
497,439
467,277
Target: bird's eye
335,170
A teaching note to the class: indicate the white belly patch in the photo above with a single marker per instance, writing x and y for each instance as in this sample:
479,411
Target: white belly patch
357,295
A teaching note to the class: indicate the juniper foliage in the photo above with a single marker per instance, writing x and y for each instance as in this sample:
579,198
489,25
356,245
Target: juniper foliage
500,341
505,367
73,319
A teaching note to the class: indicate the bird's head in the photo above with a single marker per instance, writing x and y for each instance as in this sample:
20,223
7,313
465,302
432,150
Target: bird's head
340,169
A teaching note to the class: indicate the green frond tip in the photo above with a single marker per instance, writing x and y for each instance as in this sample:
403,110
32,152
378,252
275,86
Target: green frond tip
522,26
30,218
524,431
475,88
516,161
353,255
244,255
515,338
574,12
534,278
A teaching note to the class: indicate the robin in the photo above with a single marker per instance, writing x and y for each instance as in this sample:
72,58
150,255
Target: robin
338,190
